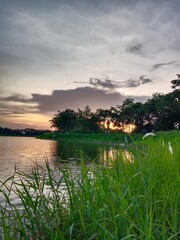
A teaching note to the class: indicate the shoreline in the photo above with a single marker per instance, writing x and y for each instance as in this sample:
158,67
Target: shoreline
111,138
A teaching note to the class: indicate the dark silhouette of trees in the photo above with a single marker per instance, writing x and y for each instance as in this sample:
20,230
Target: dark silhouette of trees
64,121
161,112
103,115
164,110
82,121
176,82
28,132
87,121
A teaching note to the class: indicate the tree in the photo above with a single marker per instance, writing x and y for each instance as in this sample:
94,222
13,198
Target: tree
152,113
128,102
176,82
138,115
115,115
87,121
103,115
133,113
164,110
126,111
64,121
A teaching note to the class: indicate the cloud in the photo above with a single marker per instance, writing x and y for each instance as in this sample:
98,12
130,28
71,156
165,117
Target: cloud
10,113
63,99
76,98
16,106
15,98
111,85
136,83
105,83
143,79
57,41
159,65
135,49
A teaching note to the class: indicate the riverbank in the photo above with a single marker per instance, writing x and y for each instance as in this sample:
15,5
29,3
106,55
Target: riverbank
99,137
110,137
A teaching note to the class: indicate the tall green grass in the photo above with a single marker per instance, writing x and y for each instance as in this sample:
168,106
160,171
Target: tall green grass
137,198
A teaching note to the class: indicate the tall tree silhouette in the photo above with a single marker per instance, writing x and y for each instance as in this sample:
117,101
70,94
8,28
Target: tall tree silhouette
176,82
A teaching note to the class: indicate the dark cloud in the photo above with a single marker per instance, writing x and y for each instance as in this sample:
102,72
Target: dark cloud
9,113
16,98
16,106
135,49
73,99
105,83
18,111
159,65
76,98
143,79
111,85
131,83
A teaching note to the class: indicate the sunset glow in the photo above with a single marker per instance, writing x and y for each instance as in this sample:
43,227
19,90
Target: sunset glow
28,120
58,55
128,128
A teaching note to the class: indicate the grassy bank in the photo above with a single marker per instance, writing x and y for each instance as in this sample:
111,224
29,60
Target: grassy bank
133,199
102,137
111,137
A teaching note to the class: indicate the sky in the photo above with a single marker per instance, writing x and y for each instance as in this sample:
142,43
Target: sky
57,54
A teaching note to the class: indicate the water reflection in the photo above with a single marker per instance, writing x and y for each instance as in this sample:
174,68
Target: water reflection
73,152
23,152
68,150
127,156
107,155
70,153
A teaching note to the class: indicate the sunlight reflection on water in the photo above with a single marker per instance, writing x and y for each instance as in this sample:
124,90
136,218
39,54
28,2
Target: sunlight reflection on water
23,152
127,156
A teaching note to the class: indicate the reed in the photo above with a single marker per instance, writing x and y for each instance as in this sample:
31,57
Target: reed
135,198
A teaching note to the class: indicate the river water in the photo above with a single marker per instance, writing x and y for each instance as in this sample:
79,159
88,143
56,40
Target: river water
22,152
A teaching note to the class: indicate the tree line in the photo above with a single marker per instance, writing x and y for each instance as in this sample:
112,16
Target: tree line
29,132
161,112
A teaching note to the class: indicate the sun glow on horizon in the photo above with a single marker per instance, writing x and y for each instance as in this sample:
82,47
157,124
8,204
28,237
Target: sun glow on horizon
29,120
127,128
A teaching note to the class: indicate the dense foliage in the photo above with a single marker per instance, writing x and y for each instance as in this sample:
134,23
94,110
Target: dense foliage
161,112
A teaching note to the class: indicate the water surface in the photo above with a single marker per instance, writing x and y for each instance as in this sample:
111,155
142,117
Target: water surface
23,151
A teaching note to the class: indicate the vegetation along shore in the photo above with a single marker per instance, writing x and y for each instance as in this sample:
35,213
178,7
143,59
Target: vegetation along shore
134,198
111,137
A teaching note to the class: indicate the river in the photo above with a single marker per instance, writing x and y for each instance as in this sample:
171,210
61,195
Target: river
22,152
